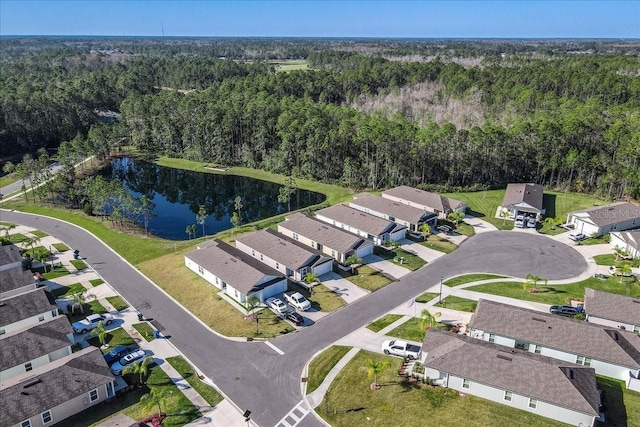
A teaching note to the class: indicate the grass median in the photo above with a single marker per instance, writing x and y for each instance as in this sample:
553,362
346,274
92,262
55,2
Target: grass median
209,393
322,364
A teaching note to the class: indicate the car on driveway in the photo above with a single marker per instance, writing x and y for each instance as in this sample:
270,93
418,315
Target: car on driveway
577,237
565,310
277,305
90,322
531,223
519,222
445,229
294,317
127,359
117,353
613,270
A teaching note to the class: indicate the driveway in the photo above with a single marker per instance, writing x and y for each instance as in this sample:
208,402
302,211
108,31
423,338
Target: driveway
423,252
256,376
386,267
343,287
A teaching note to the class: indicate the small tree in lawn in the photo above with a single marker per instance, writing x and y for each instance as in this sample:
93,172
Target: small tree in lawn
78,300
251,303
425,229
620,253
191,231
532,282
428,320
623,270
375,368
235,220
101,332
352,261
201,217
140,368
550,222
311,279
456,217
504,214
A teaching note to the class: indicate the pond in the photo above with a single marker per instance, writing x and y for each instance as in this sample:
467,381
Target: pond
178,194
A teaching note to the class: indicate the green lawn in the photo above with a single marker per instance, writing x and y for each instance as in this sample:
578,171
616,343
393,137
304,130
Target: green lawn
401,257
323,298
286,65
623,405
18,238
114,338
484,204
322,364
468,278
78,264
559,294
439,244
91,307
117,303
350,402
58,271
145,330
465,229
73,289
427,296
209,393
456,303
368,278
383,322
409,330
605,259
7,180
96,282
60,247
599,240
39,234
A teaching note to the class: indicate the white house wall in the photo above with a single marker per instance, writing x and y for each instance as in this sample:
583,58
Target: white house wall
364,250
37,362
323,268
202,272
611,323
337,255
582,226
621,244
31,321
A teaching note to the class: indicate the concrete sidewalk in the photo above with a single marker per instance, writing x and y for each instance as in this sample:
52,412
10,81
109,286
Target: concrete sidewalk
315,398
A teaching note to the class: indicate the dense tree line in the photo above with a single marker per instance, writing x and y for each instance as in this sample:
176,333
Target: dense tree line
555,116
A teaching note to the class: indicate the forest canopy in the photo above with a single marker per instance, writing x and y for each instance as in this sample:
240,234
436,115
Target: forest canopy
366,114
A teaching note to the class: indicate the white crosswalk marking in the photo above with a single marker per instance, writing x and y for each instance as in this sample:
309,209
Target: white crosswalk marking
294,416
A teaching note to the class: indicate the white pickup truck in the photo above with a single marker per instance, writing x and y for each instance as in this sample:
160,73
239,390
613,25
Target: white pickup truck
401,348
90,322
297,300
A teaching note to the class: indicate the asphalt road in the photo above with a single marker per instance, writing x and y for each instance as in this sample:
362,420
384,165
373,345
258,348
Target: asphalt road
253,375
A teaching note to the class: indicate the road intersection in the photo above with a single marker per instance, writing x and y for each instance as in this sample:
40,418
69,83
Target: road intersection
265,377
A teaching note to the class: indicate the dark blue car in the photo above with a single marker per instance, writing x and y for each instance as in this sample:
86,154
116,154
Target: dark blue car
116,354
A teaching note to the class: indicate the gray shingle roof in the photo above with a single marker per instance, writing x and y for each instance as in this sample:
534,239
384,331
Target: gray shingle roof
321,232
389,207
239,270
44,338
34,395
528,374
572,336
531,194
434,201
9,254
285,251
15,278
610,306
25,306
368,223
612,214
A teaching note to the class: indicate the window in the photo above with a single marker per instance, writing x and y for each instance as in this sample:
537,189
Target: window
314,245
253,253
508,396
522,345
295,237
584,361
28,367
200,270
46,417
533,403
466,383
25,423
3,331
93,395
492,337
54,313
41,318
261,258
109,389
333,253
636,329
538,349
277,265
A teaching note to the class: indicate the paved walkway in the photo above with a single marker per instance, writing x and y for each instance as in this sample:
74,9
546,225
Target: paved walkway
479,225
315,398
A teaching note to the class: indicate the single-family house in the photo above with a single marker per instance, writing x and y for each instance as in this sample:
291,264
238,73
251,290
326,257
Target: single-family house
628,241
610,351
523,199
374,228
402,214
50,394
538,384
287,256
16,281
10,257
601,220
25,350
325,238
26,310
234,272
425,200
613,310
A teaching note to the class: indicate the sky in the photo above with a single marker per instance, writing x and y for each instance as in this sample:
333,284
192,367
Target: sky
326,18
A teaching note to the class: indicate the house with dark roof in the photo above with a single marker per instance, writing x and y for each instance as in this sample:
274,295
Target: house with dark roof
10,257
15,281
611,352
425,200
291,258
523,199
234,272
400,213
605,219
49,395
520,379
612,310
325,238
376,229
28,349
26,310
628,241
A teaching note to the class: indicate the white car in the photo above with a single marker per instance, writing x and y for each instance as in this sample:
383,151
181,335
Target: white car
519,221
531,223
277,305
90,322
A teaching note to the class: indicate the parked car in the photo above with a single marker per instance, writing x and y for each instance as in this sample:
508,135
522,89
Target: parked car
600,276
577,236
519,221
277,306
117,353
127,359
613,270
90,322
531,223
445,229
297,300
401,348
565,310
294,317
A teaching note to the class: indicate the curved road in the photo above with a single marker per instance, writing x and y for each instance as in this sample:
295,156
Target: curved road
256,377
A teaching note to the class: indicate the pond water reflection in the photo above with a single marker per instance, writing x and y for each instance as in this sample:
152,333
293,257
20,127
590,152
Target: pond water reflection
179,193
